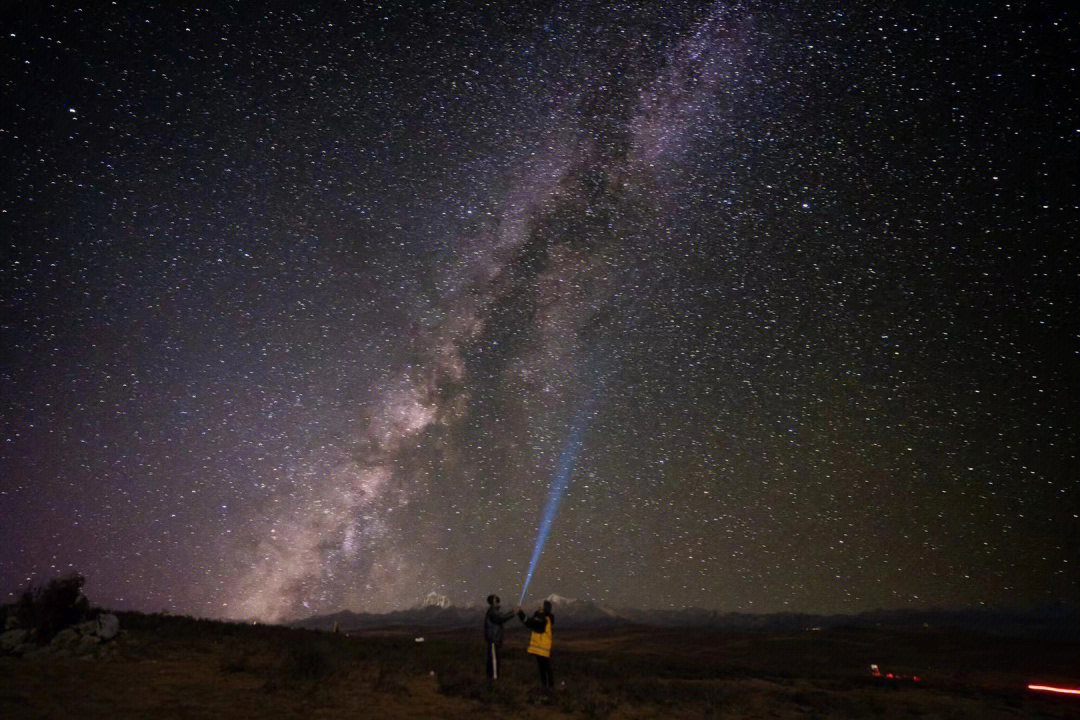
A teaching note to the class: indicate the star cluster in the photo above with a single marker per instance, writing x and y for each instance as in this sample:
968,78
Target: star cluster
300,306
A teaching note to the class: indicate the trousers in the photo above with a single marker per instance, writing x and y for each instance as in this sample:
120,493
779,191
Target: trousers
547,679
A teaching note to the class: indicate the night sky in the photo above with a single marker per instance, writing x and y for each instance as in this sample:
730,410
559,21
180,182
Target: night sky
303,309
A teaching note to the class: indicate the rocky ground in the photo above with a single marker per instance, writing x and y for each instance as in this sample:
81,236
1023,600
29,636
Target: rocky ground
166,667
88,639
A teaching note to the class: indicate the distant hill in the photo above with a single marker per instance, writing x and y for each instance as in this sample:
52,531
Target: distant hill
1057,621
431,616
1050,621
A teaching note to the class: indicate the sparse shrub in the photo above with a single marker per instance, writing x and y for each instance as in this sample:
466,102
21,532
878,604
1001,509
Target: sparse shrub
48,610
458,682
305,658
235,658
387,681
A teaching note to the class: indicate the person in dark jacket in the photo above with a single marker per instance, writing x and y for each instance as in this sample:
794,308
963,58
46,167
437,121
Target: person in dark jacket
541,624
493,634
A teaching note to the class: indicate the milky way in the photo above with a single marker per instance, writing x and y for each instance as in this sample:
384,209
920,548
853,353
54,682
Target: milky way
301,309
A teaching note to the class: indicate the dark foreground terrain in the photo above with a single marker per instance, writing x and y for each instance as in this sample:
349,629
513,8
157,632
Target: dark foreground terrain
169,667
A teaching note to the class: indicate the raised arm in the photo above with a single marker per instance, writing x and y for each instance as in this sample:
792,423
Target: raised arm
533,623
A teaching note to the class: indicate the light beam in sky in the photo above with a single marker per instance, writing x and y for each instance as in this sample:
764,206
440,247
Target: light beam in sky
574,442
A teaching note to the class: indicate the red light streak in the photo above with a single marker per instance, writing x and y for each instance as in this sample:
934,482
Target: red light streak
1052,689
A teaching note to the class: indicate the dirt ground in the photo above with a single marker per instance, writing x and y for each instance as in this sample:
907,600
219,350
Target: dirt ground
165,667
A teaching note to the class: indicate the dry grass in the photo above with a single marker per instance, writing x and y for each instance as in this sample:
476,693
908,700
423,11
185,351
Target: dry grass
167,667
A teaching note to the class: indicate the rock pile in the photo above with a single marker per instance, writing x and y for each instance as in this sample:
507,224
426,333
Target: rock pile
86,639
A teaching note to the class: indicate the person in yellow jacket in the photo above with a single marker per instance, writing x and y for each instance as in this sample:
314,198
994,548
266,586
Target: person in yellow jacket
541,624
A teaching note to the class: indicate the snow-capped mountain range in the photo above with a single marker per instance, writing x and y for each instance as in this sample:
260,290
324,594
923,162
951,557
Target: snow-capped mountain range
438,613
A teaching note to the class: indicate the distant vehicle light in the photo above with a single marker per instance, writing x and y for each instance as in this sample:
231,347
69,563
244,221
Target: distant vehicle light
1052,689
875,671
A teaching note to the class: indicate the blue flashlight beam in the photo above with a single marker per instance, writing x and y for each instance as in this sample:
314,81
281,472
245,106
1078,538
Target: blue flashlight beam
567,458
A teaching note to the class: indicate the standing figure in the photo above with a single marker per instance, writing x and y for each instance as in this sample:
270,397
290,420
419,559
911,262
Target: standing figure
493,634
540,642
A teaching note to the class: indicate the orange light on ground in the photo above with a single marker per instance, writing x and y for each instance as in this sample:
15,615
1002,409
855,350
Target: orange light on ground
1052,689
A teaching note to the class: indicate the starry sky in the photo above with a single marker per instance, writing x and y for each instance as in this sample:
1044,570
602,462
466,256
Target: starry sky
304,304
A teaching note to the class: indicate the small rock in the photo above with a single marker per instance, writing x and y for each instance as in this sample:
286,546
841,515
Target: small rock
86,644
11,641
66,638
107,626
38,653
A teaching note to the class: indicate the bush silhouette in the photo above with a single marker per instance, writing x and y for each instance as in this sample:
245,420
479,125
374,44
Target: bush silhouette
48,610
